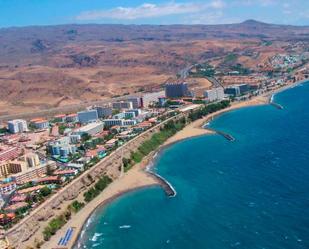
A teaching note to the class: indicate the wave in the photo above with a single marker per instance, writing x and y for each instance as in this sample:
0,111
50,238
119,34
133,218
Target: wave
96,236
124,227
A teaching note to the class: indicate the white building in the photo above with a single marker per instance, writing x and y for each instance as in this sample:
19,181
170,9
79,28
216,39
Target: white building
129,122
119,122
103,111
17,126
75,138
211,95
214,94
220,93
112,122
91,129
137,102
87,116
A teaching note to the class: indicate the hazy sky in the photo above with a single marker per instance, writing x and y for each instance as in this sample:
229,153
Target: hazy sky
45,12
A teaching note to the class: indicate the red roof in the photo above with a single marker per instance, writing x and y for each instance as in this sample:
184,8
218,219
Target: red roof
36,120
9,215
28,190
64,172
91,153
145,124
60,116
18,198
17,206
72,115
47,179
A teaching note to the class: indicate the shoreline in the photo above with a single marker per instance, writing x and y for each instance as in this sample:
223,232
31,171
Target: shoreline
136,178
139,171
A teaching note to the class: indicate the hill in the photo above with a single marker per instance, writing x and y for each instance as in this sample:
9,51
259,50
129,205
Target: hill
51,66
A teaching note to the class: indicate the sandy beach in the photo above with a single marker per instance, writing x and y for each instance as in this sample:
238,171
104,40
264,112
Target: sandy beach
195,128
137,177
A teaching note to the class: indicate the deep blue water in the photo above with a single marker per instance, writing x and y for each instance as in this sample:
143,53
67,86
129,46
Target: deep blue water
247,194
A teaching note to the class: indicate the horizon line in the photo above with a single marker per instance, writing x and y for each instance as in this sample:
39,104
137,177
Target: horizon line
146,24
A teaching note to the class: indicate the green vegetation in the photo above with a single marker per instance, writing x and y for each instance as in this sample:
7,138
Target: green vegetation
203,71
198,101
55,224
3,130
137,156
267,43
45,191
242,70
93,143
61,128
197,114
230,58
85,137
115,111
172,102
168,130
76,206
98,187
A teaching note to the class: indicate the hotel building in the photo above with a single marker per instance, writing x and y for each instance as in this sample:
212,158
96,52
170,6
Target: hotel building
177,90
88,116
123,105
17,126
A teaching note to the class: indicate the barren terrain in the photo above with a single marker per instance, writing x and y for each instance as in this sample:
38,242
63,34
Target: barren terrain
54,66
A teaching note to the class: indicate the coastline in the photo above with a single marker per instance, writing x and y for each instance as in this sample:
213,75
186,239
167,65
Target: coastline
138,177
196,129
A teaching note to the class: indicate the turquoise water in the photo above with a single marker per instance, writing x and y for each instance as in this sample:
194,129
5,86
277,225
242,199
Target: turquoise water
250,193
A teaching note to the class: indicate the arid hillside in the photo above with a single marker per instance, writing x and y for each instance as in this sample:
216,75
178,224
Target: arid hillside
51,66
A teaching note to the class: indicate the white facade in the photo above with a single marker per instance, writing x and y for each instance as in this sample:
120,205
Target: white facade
17,126
214,94
112,122
211,95
128,122
87,116
43,124
75,138
104,111
220,93
91,129
119,122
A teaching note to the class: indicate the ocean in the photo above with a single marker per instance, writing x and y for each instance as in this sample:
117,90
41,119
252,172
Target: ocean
252,193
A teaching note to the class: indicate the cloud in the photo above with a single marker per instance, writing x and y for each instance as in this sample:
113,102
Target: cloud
149,10
263,3
217,4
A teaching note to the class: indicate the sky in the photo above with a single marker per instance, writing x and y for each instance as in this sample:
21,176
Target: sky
50,12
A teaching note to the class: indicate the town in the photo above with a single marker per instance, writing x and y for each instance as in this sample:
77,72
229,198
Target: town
38,157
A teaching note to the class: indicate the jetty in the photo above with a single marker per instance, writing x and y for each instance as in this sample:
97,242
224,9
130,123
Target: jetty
167,187
221,133
278,106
